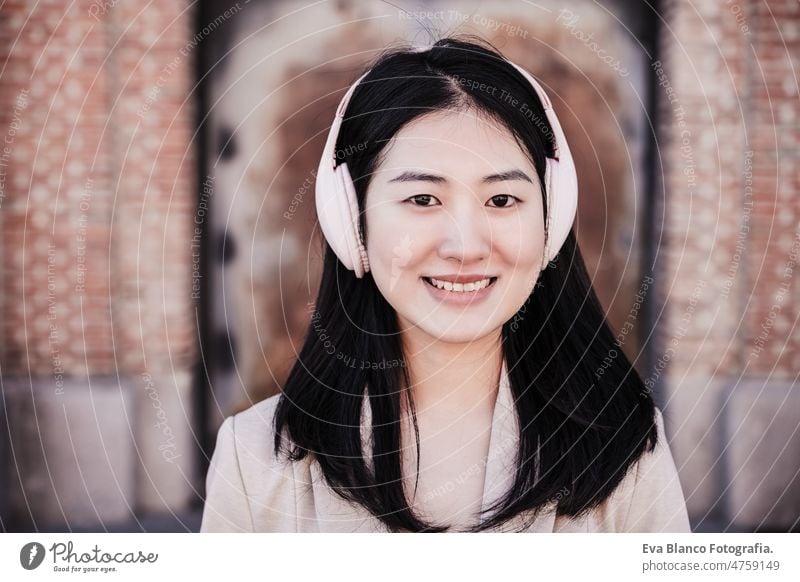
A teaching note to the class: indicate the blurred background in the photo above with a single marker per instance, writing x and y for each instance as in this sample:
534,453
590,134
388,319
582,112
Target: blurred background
159,247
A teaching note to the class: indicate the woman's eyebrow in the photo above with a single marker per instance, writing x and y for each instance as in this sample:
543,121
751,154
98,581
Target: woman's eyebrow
418,177
506,176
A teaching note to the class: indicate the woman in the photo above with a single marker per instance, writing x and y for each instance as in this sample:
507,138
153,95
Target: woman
458,373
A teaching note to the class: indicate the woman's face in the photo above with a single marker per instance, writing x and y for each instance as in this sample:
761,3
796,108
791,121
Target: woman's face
455,198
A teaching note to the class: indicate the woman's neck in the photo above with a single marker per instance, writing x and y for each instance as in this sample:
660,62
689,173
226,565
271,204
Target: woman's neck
453,378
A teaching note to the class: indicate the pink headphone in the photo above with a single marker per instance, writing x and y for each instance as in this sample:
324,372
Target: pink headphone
337,205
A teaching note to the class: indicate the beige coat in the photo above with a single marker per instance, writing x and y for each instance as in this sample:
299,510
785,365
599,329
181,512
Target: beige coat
249,490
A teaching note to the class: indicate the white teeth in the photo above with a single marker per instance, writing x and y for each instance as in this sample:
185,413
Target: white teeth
460,287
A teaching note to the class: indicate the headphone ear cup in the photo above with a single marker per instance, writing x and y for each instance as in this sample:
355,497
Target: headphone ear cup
562,203
332,213
349,200
551,187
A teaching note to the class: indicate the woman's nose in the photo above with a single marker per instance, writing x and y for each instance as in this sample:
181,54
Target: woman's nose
467,235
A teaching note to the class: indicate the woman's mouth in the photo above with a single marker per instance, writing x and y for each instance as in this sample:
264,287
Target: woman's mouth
459,293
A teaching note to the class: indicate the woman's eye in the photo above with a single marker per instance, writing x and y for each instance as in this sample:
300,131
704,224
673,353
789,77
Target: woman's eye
424,198
502,200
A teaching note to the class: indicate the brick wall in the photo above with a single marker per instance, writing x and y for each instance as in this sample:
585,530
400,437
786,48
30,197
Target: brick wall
728,127
96,218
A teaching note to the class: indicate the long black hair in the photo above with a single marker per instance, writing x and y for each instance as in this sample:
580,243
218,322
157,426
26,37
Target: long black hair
579,401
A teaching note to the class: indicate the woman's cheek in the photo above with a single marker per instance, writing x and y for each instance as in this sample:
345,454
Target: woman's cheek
522,247
392,258
408,241
378,244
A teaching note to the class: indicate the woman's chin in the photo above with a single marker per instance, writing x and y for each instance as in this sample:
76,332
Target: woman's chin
458,330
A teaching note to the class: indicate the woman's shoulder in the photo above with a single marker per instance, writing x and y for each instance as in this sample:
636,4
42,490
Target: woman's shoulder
250,435
653,494
254,436
648,499
256,422
248,486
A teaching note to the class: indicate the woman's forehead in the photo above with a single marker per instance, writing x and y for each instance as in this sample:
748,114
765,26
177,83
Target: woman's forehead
458,144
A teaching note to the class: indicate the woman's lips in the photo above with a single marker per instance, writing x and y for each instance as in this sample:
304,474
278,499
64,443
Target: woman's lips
459,297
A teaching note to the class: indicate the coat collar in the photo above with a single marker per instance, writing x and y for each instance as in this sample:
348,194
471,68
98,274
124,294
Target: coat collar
502,458
335,514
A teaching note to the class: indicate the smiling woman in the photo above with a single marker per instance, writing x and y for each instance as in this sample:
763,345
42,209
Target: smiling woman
449,249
